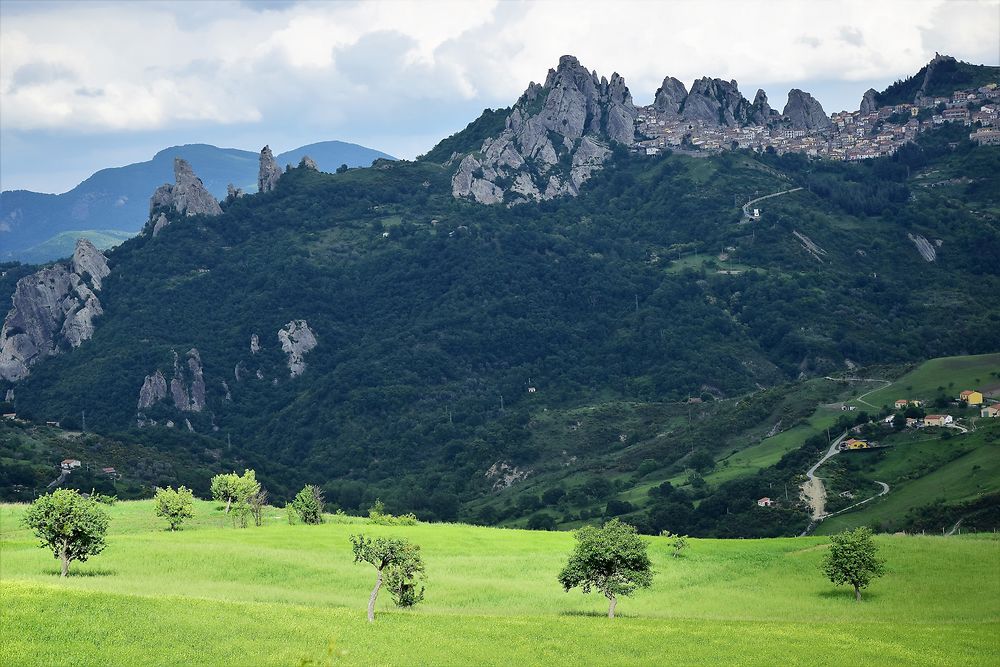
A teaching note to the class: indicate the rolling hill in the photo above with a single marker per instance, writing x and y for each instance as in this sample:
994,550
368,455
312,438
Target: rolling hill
114,202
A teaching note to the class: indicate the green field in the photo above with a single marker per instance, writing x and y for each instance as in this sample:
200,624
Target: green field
281,594
952,373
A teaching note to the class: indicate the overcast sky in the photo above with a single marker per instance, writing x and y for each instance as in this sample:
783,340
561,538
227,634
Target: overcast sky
87,85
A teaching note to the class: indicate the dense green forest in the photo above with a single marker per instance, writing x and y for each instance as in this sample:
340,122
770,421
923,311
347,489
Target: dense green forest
446,346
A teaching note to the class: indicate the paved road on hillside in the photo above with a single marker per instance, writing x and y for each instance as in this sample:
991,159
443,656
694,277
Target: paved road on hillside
746,207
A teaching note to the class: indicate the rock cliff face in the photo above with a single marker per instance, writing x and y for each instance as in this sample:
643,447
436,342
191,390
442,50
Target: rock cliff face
804,112
716,101
308,163
270,172
186,388
54,307
669,97
187,195
555,137
869,103
296,339
761,112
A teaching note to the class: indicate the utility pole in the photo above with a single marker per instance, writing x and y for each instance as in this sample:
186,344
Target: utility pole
83,419
501,402
636,304
229,442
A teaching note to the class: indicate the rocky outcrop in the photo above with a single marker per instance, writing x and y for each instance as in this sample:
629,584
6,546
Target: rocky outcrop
929,72
269,173
504,475
187,196
717,102
556,136
869,103
761,112
186,388
924,246
296,339
52,308
154,390
804,112
308,163
669,97
254,344
233,192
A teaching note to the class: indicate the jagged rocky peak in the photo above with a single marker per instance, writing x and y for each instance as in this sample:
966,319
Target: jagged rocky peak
187,195
761,111
233,192
669,97
556,136
269,173
51,309
804,112
308,163
296,339
718,102
88,261
869,103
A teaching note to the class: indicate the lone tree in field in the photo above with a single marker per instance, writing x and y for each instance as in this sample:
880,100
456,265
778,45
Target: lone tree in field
853,559
403,577
174,506
71,525
611,559
393,556
308,504
230,488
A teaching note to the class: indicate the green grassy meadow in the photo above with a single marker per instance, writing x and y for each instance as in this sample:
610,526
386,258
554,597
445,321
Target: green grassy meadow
953,373
283,594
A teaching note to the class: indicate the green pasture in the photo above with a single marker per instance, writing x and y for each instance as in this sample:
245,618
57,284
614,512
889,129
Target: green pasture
953,373
280,594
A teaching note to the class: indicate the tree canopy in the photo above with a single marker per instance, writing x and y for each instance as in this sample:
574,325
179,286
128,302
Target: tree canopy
853,559
72,526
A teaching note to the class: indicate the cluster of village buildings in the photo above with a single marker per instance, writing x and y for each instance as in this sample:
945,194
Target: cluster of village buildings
852,135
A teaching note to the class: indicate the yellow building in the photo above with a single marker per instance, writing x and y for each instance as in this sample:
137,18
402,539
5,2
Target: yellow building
971,397
856,444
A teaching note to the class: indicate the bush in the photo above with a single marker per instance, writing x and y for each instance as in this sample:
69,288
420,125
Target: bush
308,504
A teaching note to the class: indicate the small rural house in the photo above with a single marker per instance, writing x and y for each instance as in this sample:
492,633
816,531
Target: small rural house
902,403
972,397
108,471
854,443
765,502
938,420
70,464
991,411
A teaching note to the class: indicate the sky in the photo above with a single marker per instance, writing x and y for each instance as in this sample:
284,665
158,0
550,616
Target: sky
88,85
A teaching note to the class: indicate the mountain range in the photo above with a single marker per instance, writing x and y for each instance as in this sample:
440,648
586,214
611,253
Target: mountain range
530,316
113,203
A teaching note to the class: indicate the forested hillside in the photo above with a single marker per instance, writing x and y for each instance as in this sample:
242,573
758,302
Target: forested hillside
451,335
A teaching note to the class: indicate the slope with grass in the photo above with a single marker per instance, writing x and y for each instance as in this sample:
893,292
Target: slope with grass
212,594
945,376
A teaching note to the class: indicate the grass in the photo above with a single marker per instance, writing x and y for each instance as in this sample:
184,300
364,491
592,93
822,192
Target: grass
952,373
276,595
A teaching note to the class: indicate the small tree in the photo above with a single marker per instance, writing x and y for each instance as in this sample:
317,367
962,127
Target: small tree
257,503
678,543
308,504
853,559
386,553
174,506
611,559
71,525
230,488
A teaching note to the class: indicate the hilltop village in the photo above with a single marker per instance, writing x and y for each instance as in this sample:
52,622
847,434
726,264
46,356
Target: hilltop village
870,132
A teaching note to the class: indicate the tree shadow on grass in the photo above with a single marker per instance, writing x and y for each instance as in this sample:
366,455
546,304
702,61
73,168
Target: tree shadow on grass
848,594
593,614
90,572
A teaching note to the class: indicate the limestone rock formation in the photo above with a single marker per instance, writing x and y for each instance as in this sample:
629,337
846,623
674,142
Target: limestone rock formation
186,388
804,112
869,103
254,344
269,173
154,389
53,307
233,192
556,136
717,102
308,163
669,97
296,339
187,196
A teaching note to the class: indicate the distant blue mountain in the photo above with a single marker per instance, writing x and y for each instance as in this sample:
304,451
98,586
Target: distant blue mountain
34,226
